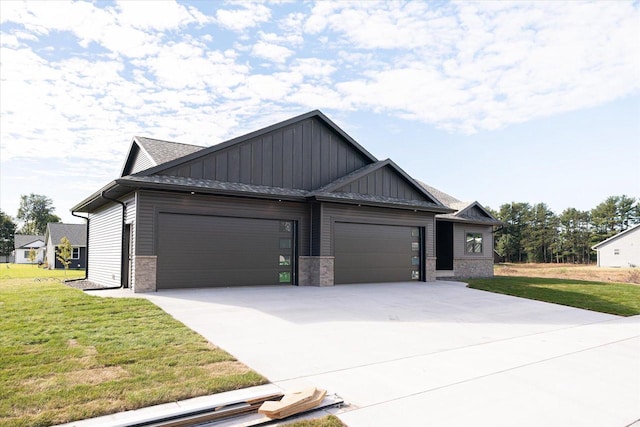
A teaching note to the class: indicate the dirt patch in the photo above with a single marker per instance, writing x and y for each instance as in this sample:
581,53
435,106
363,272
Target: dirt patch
570,271
82,284
222,369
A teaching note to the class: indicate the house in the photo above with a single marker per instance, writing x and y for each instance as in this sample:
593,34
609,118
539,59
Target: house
77,235
23,244
621,250
296,203
464,238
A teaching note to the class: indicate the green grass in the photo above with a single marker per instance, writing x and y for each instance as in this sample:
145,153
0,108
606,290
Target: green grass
328,421
29,271
66,355
613,298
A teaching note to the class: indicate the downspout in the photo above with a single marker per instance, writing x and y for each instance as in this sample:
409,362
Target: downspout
86,267
123,238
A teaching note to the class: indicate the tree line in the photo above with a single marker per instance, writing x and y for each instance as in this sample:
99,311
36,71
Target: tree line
534,233
34,213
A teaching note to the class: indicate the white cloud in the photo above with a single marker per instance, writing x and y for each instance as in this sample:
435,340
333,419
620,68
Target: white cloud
271,51
249,15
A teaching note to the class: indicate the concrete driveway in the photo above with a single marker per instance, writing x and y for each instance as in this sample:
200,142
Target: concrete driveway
428,354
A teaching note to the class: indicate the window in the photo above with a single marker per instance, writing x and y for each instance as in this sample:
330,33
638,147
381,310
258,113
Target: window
415,246
285,243
285,259
474,243
415,232
415,260
26,254
75,253
415,275
284,277
286,226
616,251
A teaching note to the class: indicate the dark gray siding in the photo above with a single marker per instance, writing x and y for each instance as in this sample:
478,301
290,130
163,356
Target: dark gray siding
335,212
150,204
384,182
305,155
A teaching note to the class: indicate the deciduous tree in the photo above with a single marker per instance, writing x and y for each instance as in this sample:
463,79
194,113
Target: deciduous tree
35,212
7,231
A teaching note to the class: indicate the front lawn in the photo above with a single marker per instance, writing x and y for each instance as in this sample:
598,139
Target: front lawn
66,355
613,298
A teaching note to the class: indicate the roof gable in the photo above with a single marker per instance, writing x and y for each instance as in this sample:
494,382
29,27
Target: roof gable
475,211
28,241
622,234
305,152
76,233
381,179
145,153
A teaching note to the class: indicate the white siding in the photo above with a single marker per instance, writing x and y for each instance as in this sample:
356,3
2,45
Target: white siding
51,254
105,245
627,247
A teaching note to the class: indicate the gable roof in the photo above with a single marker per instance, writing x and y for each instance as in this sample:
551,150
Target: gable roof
238,140
156,152
469,212
617,236
332,190
76,233
27,241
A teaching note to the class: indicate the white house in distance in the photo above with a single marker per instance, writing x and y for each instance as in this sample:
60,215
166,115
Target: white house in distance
23,243
621,250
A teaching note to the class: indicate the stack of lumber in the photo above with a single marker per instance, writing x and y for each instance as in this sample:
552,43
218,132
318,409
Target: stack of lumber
293,403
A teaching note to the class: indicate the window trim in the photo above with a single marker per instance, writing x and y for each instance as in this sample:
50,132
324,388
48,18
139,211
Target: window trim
475,235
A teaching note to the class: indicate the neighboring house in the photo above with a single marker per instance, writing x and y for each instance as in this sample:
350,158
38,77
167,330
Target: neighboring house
23,244
621,250
464,238
77,235
297,203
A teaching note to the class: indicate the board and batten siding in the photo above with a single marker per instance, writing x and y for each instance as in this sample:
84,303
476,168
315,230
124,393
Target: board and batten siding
304,155
460,231
384,182
105,240
150,204
332,212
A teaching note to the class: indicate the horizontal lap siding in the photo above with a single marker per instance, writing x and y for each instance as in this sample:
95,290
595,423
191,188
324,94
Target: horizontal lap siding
105,240
460,231
151,204
332,212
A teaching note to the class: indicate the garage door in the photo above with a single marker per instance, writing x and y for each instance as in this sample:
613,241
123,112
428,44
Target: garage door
205,251
368,253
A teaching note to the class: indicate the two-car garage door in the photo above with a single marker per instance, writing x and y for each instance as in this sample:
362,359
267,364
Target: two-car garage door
207,251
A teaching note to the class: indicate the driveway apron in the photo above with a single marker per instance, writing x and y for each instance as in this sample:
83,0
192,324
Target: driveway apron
428,354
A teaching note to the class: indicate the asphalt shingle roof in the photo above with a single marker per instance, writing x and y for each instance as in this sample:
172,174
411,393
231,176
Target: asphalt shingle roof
76,233
23,240
165,151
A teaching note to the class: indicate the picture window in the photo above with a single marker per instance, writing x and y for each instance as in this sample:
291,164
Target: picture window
474,243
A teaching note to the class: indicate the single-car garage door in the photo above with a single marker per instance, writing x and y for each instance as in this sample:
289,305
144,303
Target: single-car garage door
197,251
368,253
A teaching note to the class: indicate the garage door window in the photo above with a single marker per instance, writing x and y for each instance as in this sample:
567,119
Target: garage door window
285,260
285,277
285,243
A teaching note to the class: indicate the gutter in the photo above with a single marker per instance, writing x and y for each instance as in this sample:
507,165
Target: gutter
86,267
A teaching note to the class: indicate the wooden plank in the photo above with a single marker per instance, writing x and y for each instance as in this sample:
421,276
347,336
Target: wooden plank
293,403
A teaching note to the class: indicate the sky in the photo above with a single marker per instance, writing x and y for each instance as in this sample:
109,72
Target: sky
492,102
